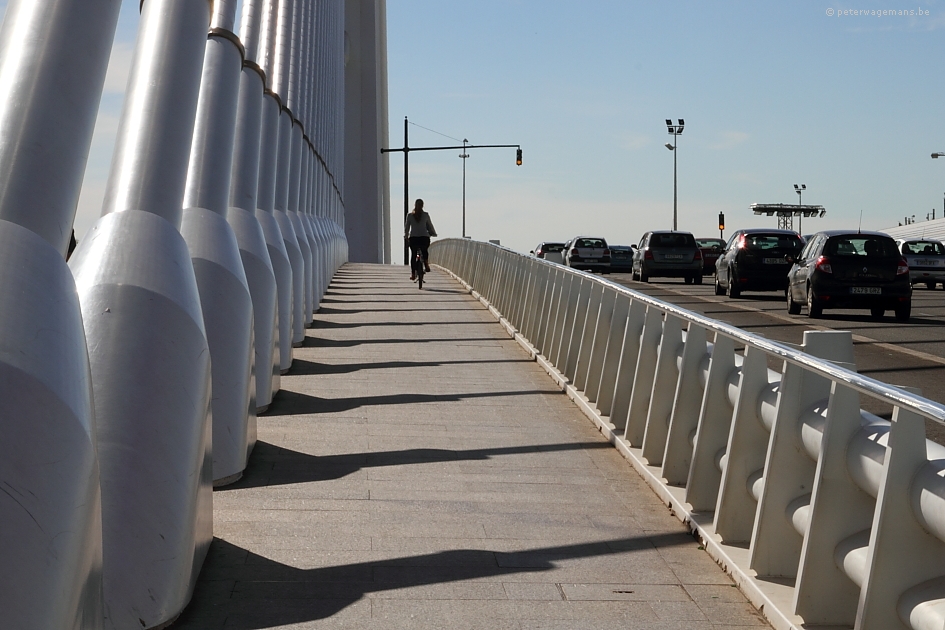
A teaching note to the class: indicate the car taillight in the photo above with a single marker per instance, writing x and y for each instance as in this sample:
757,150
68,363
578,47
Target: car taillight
647,254
741,242
903,267
823,264
606,252
574,251
698,255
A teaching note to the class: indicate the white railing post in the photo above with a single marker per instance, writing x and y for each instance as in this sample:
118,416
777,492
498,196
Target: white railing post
684,417
824,595
591,318
576,334
744,454
612,353
595,361
627,365
565,319
664,387
715,421
644,376
901,553
776,544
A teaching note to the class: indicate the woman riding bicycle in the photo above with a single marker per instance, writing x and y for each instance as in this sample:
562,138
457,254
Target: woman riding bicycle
418,228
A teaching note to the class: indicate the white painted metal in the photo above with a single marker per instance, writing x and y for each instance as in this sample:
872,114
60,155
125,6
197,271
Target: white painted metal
148,348
221,280
53,57
850,505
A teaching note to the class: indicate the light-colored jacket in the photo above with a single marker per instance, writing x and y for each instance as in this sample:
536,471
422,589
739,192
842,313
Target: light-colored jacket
419,225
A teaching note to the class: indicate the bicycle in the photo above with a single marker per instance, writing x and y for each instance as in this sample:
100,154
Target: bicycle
417,267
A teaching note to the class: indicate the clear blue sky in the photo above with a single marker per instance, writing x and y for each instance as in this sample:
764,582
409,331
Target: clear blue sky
772,93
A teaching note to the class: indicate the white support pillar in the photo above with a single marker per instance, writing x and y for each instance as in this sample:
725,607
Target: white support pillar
366,187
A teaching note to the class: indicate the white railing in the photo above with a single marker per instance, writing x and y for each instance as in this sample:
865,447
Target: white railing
824,514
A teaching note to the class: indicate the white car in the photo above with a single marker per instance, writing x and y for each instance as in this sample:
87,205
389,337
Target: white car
926,260
589,253
550,251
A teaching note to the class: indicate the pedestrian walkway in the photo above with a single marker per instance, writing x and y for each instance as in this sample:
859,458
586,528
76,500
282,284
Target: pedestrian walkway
418,471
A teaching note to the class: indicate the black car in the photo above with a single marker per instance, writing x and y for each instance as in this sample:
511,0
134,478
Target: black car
667,254
621,258
756,260
840,269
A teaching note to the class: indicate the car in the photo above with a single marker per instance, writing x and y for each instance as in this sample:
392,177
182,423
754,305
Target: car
926,260
589,253
756,260
847,269
550,251
621,258
667,254
711,250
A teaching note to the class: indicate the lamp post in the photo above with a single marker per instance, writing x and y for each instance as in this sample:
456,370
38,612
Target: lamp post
800,218
675,131
464,155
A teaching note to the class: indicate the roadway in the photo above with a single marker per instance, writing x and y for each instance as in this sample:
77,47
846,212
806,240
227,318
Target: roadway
911,354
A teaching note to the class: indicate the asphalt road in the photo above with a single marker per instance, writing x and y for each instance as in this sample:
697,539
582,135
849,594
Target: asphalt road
911,354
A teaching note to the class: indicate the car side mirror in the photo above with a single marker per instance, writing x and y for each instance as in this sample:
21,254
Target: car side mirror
532,252
633,247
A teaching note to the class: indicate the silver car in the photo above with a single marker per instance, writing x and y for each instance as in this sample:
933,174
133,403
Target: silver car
587,252
552,252
926,260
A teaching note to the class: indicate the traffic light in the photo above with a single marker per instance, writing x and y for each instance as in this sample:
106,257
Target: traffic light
518,157
721,221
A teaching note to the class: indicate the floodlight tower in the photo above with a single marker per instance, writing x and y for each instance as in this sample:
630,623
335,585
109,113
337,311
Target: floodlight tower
800,218
675,131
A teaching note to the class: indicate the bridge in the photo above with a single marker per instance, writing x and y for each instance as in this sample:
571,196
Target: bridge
225,411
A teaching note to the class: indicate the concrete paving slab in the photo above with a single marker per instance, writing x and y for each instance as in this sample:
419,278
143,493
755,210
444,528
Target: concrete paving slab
418,470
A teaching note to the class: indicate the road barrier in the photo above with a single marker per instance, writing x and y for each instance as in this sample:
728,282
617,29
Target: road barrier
823,514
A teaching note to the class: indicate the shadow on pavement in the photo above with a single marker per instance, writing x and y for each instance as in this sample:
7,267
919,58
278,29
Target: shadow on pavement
246,591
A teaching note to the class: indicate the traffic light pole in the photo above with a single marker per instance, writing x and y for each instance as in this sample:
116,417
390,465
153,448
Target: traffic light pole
406,149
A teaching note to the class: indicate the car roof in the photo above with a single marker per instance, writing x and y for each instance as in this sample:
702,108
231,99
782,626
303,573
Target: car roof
768,231
917,240
551,243
620,247
829,233
669,232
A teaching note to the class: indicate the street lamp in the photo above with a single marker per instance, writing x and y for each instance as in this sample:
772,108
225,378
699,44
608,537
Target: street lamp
937,155
800,217
464,155
675,131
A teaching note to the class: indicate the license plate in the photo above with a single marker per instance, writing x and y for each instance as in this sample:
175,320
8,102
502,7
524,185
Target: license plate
590,260
866,290
775,261
673,256
927,262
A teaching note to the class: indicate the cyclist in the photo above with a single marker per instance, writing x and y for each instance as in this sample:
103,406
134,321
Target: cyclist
418,228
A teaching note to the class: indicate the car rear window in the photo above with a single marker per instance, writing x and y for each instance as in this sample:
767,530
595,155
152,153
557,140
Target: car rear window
672,240
928,248
590,242
552,247
772,241
856,245
710,242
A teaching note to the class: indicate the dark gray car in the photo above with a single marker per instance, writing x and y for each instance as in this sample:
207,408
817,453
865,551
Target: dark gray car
667,254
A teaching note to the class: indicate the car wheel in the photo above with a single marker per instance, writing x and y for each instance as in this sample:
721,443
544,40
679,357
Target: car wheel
877,312
793,307
814,307
697,279
688,279
644,277
718,287
634,276
904,312
733,290
930,285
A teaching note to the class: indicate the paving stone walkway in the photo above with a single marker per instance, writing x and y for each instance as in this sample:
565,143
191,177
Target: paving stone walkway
418,471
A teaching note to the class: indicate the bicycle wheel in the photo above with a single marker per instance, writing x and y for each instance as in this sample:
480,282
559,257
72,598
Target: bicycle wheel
420,278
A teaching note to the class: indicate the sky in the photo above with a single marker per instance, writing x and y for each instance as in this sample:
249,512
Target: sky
772,94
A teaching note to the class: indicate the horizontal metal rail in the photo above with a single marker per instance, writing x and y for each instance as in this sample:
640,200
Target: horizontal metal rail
824,514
